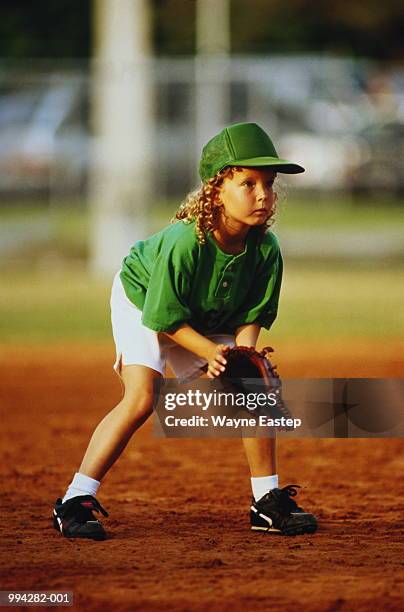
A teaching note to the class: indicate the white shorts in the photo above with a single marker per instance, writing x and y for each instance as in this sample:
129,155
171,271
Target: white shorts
136,344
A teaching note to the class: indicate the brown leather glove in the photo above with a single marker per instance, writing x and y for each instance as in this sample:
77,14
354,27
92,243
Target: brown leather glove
250,371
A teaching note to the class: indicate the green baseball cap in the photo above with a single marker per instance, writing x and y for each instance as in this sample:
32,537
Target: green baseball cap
242,144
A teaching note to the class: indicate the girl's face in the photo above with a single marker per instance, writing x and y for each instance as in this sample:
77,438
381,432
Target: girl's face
248,197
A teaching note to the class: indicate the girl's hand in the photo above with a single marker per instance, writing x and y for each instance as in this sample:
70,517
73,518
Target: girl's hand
216,360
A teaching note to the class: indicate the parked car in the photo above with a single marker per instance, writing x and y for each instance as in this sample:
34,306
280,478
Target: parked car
379,167
44,136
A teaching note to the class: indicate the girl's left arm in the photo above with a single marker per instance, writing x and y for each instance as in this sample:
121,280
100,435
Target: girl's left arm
247,335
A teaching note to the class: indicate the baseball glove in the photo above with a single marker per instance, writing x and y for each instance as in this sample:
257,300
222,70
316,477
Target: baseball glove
250,371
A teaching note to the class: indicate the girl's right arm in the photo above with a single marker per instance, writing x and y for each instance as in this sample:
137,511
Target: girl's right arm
193,341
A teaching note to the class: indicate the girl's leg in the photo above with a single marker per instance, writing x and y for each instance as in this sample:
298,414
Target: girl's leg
116,429
73,515
269,510
261,456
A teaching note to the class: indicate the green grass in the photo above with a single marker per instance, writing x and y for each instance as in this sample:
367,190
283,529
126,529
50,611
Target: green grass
69,221
319,212
318,302
339,213
58,305
51,302
68,224
332,301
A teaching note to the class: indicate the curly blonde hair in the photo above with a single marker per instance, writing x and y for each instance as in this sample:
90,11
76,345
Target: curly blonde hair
202,206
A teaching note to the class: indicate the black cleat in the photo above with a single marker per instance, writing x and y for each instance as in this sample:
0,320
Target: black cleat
75,518
277,513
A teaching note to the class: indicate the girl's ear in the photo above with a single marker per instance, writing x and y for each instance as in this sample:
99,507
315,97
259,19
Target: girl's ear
217,202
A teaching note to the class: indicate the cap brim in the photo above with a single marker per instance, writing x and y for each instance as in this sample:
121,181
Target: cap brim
277,165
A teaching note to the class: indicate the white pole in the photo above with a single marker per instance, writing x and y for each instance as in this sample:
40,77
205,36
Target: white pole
211,68
122,122
213,27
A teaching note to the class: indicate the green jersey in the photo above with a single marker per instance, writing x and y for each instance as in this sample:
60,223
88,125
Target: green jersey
173,280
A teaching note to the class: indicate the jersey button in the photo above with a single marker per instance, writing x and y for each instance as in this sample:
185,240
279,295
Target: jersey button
225,284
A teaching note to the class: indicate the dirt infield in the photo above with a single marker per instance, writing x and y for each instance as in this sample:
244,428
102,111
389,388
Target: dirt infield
179,533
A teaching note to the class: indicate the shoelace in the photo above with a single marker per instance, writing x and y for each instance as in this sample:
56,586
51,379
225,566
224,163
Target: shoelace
285,494
95,505
86,505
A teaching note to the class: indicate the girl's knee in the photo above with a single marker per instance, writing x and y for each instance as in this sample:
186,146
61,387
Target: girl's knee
141,390
139,405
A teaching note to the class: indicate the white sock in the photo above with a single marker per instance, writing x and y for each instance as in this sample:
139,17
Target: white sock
263,484
82,485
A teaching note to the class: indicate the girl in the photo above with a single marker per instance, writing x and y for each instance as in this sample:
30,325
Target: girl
208,281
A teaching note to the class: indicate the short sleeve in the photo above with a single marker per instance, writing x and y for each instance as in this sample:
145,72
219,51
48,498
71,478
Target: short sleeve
261,303
166,303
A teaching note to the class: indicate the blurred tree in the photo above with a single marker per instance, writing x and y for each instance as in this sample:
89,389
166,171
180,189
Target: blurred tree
45,29
174,26
370,28
62,28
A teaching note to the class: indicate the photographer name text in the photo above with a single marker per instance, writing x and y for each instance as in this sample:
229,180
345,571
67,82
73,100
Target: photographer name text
235,423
